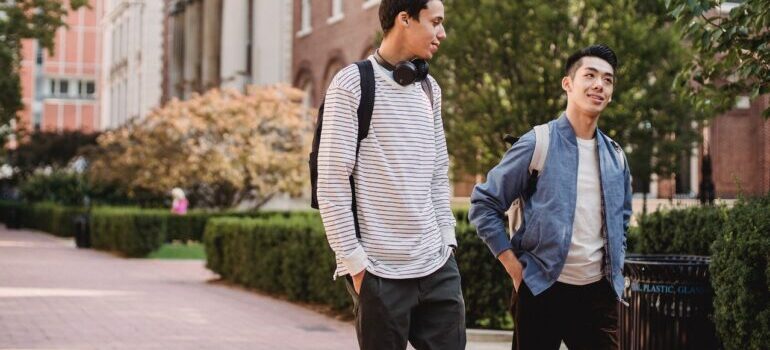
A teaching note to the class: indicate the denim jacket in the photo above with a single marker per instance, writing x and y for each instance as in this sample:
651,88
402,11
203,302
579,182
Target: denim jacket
542,242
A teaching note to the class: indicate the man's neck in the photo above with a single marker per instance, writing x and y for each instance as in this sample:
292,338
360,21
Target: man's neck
584,124
392,51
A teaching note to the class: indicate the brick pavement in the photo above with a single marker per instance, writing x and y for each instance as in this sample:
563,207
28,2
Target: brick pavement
55,296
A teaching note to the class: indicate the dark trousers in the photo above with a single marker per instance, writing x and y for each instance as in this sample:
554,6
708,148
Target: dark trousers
429,312
584,317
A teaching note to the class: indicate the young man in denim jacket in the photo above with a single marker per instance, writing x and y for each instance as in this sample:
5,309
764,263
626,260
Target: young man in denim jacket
566,260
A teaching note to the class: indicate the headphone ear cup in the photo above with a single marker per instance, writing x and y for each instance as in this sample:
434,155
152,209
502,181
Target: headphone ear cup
405,73
422,69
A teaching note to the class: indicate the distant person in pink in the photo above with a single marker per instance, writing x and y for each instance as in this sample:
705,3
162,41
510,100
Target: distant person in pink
179,205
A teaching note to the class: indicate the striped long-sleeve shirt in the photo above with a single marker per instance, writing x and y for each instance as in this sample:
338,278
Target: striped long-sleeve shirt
402,185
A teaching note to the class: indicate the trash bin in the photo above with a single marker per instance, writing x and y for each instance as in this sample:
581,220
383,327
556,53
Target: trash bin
82,232
670,303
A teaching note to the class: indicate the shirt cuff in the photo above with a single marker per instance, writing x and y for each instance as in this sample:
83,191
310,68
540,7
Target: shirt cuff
356,261
448,235
499,243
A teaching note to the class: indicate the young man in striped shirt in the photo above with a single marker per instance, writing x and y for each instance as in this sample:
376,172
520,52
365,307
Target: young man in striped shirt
396,249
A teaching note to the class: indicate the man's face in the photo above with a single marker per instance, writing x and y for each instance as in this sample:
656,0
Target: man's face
591,86
423,37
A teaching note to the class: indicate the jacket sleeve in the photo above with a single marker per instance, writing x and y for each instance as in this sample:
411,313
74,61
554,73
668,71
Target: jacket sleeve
627,203
491,199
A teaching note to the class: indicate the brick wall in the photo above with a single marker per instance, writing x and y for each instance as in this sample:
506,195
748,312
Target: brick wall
318,55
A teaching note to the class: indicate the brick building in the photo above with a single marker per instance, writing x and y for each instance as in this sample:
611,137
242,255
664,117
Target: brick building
329,35
60,90
739,144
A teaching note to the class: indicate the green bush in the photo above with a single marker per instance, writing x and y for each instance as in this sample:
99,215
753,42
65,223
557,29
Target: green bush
277,255
132,232
682,231
291,257
60,187
47,217
461,215
740,274
188,227
486,286
8,210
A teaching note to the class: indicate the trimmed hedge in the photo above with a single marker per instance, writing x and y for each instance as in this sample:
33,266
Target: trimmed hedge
48,217
133,232
291,257
740,274
7,211
688,231
486,286
282,256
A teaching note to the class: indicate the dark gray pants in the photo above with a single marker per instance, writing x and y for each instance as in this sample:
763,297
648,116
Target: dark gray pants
429,312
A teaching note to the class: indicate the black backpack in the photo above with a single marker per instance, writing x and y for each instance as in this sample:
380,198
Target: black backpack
365,108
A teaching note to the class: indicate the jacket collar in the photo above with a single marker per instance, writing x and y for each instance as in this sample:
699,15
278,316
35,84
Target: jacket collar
565,129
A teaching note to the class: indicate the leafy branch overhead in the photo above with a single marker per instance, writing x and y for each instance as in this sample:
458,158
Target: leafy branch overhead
19,20
501,67
732,42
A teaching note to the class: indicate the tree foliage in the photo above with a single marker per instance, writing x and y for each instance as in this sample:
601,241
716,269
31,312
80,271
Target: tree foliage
48,149
223,148
25,19
501,68
732,42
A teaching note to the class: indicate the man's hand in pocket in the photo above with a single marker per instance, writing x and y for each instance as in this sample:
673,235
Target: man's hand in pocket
357,279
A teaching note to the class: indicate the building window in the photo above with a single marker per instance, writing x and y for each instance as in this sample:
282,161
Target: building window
337,14
81,89
370,3
39,55
64,86
306,13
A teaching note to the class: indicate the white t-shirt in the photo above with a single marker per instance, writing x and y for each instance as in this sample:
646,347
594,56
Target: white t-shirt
584,260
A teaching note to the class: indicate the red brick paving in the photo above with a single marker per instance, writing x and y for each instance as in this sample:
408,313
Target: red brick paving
55,296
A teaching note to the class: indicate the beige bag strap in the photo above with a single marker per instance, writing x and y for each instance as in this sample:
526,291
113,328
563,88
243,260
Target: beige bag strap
542,140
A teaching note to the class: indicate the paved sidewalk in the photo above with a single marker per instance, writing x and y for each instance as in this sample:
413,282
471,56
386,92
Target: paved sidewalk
55,296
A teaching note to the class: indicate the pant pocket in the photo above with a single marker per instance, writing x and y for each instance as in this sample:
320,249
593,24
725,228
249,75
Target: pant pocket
352,291
514,302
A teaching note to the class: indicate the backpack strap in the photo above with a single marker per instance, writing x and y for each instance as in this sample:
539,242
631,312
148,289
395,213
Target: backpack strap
365,110
366,105
620,157
542,140
426,86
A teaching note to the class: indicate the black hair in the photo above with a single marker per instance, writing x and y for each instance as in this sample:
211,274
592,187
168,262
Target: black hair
389,9
601,51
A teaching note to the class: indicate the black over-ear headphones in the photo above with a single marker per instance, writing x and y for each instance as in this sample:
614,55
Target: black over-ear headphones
405,72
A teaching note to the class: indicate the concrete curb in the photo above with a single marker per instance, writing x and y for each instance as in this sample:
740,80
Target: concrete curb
489,336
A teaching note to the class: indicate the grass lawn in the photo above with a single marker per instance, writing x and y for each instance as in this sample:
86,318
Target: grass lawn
180,250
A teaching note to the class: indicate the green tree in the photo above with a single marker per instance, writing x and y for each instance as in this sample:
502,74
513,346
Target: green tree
502,64
49,149
732,45
25,19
